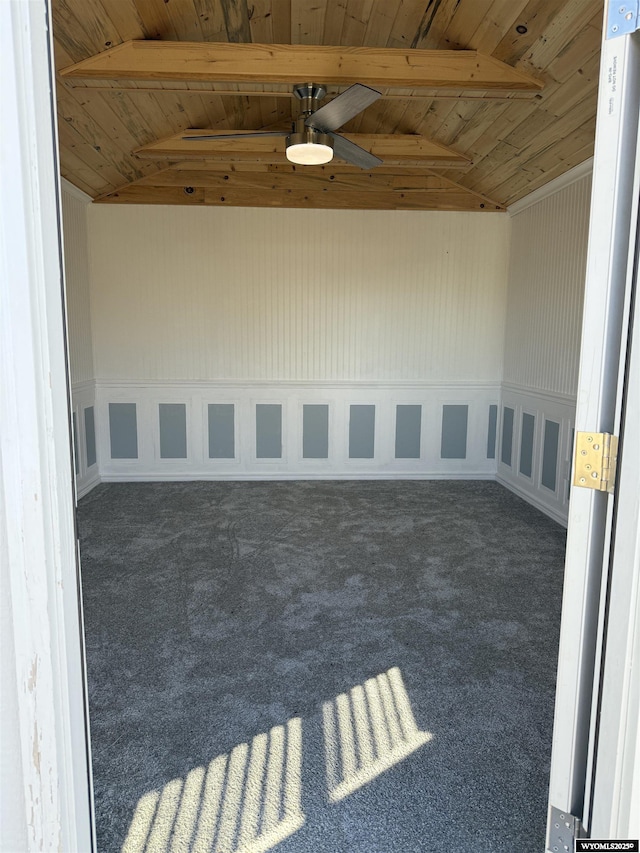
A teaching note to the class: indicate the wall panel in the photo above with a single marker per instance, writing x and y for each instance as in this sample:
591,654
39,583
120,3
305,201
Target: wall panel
183,294
295,430
76,269
542,433
547,265
79,337
85,428
542,344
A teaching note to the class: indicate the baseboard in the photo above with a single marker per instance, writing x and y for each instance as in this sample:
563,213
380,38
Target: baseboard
135,477
534,500
88,483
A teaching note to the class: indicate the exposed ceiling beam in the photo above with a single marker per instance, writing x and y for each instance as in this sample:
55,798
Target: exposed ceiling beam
297,179
131,88
386,188
392,148
451,198
269,63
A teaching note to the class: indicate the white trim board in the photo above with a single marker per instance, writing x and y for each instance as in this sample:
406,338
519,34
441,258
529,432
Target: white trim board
549,396
328,477
46,778
75,191
582,170
198,384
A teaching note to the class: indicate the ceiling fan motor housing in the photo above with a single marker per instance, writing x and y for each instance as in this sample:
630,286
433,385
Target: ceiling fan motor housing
310,94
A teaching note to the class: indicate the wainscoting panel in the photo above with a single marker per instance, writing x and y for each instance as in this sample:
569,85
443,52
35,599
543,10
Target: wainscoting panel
294,430
85,448
536,441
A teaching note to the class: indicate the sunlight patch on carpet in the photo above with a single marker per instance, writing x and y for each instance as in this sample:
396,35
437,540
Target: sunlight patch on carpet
368,731
245,802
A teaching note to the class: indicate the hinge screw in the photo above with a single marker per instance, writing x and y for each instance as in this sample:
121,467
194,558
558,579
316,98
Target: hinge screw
614,28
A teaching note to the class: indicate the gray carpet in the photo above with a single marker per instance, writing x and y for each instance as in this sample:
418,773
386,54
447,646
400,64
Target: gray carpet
315,667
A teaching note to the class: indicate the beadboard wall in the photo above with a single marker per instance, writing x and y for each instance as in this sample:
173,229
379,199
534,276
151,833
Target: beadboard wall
180,294
76,270
548,258
542,342
374,322
79,336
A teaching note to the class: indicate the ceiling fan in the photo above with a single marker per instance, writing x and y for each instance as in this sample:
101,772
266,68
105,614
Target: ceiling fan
311,140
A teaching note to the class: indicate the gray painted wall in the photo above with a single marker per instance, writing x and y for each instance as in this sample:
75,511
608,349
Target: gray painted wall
492,432
408,429
550,454
221,422
453,443
172,418
362,426
526,443
315,431
268,431
123,430
507,435
90,435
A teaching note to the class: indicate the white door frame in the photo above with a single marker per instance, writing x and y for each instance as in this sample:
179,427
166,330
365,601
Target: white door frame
46,681
46,780
616,762
595,518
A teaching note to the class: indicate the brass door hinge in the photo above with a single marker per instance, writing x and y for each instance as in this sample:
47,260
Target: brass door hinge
595,461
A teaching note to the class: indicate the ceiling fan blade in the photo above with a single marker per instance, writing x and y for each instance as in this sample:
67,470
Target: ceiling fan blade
345,106
352,153
224,135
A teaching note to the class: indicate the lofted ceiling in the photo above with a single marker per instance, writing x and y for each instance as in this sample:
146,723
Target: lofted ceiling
483,101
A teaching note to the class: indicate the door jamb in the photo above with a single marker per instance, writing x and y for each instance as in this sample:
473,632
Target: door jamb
49,771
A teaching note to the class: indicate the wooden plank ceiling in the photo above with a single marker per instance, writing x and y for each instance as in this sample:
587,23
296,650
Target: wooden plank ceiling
483,101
